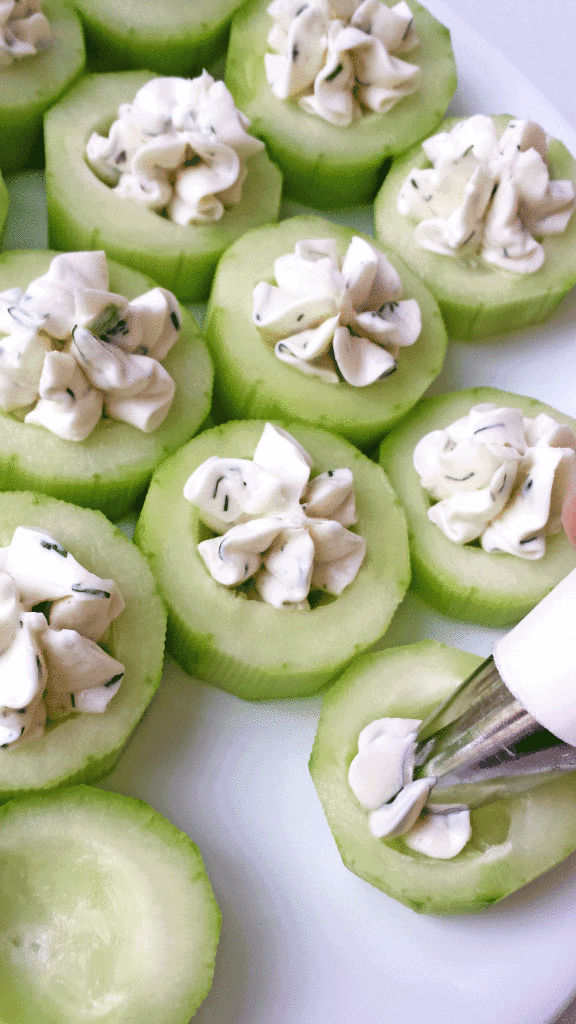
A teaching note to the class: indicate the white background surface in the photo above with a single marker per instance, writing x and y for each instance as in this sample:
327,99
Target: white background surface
303,940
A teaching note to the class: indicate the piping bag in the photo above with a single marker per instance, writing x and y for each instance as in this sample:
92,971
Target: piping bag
511,725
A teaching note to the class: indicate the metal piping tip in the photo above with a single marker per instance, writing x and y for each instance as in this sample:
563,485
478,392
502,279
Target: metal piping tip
481,745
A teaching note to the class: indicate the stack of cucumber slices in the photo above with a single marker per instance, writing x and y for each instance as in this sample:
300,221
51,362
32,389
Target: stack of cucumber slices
106,910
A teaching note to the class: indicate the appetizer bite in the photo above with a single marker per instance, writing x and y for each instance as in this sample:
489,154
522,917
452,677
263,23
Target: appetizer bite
95,387
308,320
482,475
459,866
482,212
326,84
106,909
164,184
82,643
290,560
176,37
41,53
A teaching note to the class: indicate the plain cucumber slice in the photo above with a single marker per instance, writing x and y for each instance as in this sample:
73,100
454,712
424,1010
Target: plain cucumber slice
480,300
86,746
28,87
323,165
175,37
466,582
247,647
84,213
106,913
110,470
513,840
251,381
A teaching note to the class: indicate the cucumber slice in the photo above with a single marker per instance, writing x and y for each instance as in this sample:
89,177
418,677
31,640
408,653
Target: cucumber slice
106,913
84,213
176,37
86,746
28,87
252,381
4,204
250,648
479,300
111,468
323,165
513,840
466,582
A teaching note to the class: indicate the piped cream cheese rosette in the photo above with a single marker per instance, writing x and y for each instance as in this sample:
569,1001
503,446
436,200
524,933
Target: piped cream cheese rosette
482,212
75,351
275,526
337,58
179,148
486,541
355,96
114,320
309,321
498,477
79,671
307,567
50,662
176,182
337,319
488,197
24,30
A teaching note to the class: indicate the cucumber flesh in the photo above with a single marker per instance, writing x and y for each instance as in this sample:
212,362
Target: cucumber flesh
176,37
106,912
84,213
28,87
478,301
251,381
326,166
250,648
513,840
85,747
111,468
465,582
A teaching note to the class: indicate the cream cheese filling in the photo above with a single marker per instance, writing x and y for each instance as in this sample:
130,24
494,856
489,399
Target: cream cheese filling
75,351
336,319
285,532
181,148
499,477
24,30
337,59
50,661
486,197
380,776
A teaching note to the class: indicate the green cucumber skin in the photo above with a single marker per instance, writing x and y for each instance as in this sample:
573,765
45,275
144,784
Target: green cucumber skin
29,87
481,302
513,840
84,213
467,583
112,468
323,165
86,747
4,205
114,888
177,37
251,382
214,634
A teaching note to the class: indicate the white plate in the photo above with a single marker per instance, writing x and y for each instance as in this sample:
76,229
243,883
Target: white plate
303,940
